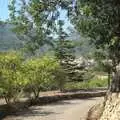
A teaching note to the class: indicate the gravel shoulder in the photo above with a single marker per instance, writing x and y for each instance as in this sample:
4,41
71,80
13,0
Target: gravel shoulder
62,110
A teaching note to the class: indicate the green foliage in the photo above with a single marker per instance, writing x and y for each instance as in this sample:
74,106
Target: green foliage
12,8
11,78
32,75
39,73
35,21
99,20
60,78
65,50
94,83
98,83
65,53
76,85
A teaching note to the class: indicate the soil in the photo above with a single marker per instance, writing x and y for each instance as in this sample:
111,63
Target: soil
63,110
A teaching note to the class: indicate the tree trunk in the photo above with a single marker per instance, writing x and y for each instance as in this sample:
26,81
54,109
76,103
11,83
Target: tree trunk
109,77
115,85
36,95
7,100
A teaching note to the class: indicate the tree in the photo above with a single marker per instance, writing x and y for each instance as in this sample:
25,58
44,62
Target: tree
65,53
39,73
103,63
60,78
35,21
12,81
100,21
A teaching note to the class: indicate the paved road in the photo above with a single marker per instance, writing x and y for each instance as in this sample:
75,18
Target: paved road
63,110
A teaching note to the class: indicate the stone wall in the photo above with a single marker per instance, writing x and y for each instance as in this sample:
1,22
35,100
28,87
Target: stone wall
68,96
112,108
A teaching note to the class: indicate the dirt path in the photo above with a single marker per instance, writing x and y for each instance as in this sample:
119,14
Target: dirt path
63,110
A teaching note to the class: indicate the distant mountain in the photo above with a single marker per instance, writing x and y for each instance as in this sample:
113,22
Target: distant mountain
8,39
83,46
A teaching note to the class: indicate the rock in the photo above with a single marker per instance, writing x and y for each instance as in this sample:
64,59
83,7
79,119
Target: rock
95,112
112,108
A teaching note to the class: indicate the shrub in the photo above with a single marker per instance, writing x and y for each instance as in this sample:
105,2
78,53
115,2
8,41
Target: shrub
60,78
98,83
11,78
39,73
94,83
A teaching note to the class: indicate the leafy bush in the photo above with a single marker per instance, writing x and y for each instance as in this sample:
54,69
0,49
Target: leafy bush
33,75
76,85
11,78
95,83
39,73
60,78
98,83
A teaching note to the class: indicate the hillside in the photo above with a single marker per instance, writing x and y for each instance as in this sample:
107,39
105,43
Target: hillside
8,39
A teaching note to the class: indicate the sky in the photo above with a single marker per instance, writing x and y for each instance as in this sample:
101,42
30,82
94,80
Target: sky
4,9
4,13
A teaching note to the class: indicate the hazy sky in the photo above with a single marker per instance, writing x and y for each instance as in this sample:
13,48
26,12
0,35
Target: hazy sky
4,9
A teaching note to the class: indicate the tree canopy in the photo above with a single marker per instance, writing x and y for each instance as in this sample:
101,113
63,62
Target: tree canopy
100,21
36,21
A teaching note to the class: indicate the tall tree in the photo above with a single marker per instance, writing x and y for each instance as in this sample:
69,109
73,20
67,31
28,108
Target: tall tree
64,48
65,53
100,20
35,20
